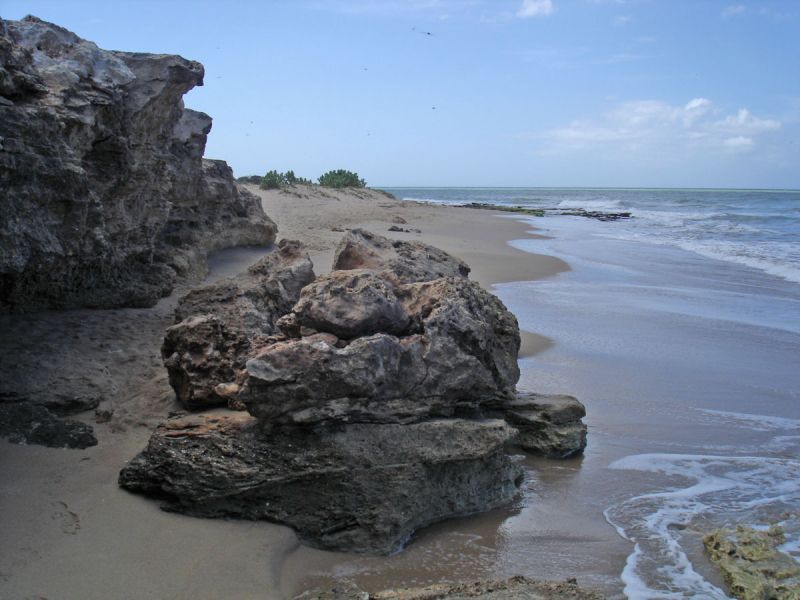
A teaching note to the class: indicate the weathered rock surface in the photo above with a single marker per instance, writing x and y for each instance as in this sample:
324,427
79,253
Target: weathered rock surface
370,392
27,423
106,196
752,565
549,425
457,353
514,588
408,262
220,325
359,488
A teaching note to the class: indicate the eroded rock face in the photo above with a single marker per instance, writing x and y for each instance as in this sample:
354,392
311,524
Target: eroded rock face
219,325
408,262
106,197
358,488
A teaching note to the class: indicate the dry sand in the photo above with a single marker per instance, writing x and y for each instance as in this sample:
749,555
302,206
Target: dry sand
68,531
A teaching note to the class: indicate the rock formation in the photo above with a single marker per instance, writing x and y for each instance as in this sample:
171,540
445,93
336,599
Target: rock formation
752,564
358,488
220,324
106,196
548,425
514,588
28,423
377,397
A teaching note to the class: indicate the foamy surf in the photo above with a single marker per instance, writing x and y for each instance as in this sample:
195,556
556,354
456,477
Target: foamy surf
709,492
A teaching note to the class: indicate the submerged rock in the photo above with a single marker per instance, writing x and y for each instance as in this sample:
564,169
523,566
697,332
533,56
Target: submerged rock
27,423
107,197
356,488
752,565
549,425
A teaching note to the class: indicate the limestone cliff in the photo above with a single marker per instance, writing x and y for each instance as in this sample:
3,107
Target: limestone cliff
105,195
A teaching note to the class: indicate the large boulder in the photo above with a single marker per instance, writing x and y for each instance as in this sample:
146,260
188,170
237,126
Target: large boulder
106,196
457,354
355,488
219,325
408,262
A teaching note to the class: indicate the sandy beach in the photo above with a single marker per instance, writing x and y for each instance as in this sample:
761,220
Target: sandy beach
70,532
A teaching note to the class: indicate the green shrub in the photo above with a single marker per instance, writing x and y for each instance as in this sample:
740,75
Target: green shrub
256,179
341,178
273,180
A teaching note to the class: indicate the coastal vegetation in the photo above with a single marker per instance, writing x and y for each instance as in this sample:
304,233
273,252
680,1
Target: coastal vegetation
274,180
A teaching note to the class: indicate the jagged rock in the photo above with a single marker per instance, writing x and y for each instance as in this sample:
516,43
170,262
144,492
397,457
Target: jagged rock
106,197
68,404
220,324
351,304
752,565
27,423
514,588
358,488
457,354
408,262
549,425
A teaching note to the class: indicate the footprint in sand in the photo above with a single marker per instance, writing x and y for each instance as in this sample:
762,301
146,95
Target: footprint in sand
70,521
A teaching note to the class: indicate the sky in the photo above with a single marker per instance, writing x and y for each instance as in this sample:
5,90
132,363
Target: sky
613,93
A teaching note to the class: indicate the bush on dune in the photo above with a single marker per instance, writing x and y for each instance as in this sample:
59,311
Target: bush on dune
273,180
341,178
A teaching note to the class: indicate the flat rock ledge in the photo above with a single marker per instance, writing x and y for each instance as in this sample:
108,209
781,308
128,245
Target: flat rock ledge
359,488
514,588
379,398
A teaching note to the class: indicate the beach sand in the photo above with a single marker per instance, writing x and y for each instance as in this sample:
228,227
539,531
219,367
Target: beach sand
68,531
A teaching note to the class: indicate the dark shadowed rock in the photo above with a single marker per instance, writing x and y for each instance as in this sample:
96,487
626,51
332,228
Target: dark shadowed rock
457,354
359,488
220,325
106,196
549,425
26,423
407,261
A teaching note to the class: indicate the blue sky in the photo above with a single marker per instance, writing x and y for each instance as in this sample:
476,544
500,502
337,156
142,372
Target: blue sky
695,93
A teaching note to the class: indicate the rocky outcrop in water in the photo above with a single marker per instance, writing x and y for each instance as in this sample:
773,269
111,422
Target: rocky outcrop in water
377,395
106,196
752,565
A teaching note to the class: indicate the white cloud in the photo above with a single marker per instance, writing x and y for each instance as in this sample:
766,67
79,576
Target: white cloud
622,20
739,142
733,10
535,8
653,124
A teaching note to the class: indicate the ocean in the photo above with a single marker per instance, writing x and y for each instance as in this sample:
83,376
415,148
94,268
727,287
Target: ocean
679,328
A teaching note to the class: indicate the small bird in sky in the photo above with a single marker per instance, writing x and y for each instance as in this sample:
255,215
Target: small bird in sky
421,32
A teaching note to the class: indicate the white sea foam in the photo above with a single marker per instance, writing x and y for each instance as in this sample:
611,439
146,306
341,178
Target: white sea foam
602,204
756,422
720,491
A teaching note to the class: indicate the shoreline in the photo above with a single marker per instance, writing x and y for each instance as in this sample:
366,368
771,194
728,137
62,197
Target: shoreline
63,508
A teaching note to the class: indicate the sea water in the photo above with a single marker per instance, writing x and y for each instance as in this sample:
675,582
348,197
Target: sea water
680,330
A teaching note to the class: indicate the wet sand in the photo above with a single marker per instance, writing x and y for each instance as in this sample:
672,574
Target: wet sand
68,531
